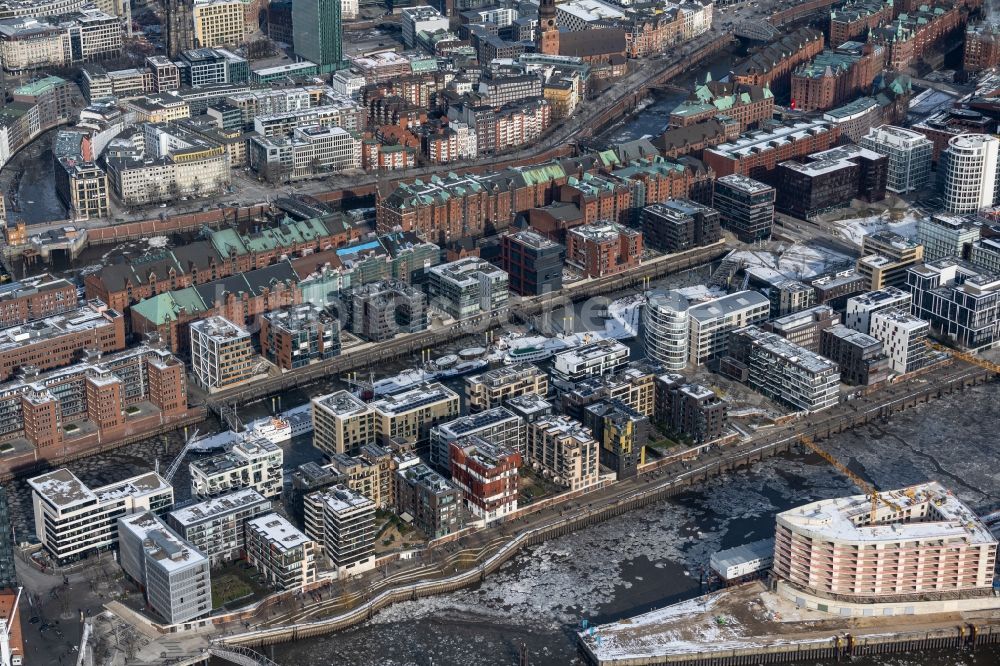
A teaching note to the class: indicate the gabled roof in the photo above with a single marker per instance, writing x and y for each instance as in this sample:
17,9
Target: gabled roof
227,241
164,308
198,255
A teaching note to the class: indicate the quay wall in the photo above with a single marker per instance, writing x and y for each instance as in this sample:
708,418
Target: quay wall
953,635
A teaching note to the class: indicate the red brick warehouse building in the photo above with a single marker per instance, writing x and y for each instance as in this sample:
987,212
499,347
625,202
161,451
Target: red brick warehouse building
756,154
604,248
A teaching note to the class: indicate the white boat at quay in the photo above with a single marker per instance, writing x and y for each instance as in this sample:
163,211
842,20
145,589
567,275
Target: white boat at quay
277,429
622,323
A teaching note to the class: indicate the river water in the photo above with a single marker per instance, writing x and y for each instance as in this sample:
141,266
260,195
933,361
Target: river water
651,558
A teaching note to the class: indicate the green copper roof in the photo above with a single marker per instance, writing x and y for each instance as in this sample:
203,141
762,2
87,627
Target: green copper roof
543,174
691,109
39,86
165,308
226,241
608,158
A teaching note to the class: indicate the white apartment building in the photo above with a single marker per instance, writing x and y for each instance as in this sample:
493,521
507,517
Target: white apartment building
348,83
970,172
421,18
909,155
344,113
348,530
860,308
711,323
468,287
904,339
604,357
215,526
72,520
945,235
310,150
221,353
251,463
564,451
498,426
349,10
665,328
173,574
282,554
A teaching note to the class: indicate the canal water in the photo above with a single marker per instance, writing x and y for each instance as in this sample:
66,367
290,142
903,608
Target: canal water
30,186
653,119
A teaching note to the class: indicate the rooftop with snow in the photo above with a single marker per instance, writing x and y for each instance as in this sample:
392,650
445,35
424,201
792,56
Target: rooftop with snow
928,511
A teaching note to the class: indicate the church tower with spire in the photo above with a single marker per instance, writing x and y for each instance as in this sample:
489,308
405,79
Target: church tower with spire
548,33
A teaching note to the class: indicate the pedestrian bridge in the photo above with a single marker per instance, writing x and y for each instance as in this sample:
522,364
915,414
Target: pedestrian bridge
756,29
242,656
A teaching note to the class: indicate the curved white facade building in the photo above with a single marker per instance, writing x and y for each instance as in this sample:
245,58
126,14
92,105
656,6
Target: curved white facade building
933,548
665,323
970,172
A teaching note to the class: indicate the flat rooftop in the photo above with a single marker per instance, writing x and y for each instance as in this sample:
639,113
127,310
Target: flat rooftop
170,551
407,401
789,351
220,328
744,184
342,403
727,305
89,317
422,475
63,489
342,499
947,517
504,374
592,351
565,426
748,552
885,296
219,506
278,531
472,423
850,336
466,271
529,403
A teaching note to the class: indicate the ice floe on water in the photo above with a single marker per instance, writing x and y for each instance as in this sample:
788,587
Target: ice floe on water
653,557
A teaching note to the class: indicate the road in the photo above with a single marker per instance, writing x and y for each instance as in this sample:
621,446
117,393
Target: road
370,355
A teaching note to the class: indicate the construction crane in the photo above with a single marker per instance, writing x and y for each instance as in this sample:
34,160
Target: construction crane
966,356
874,495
